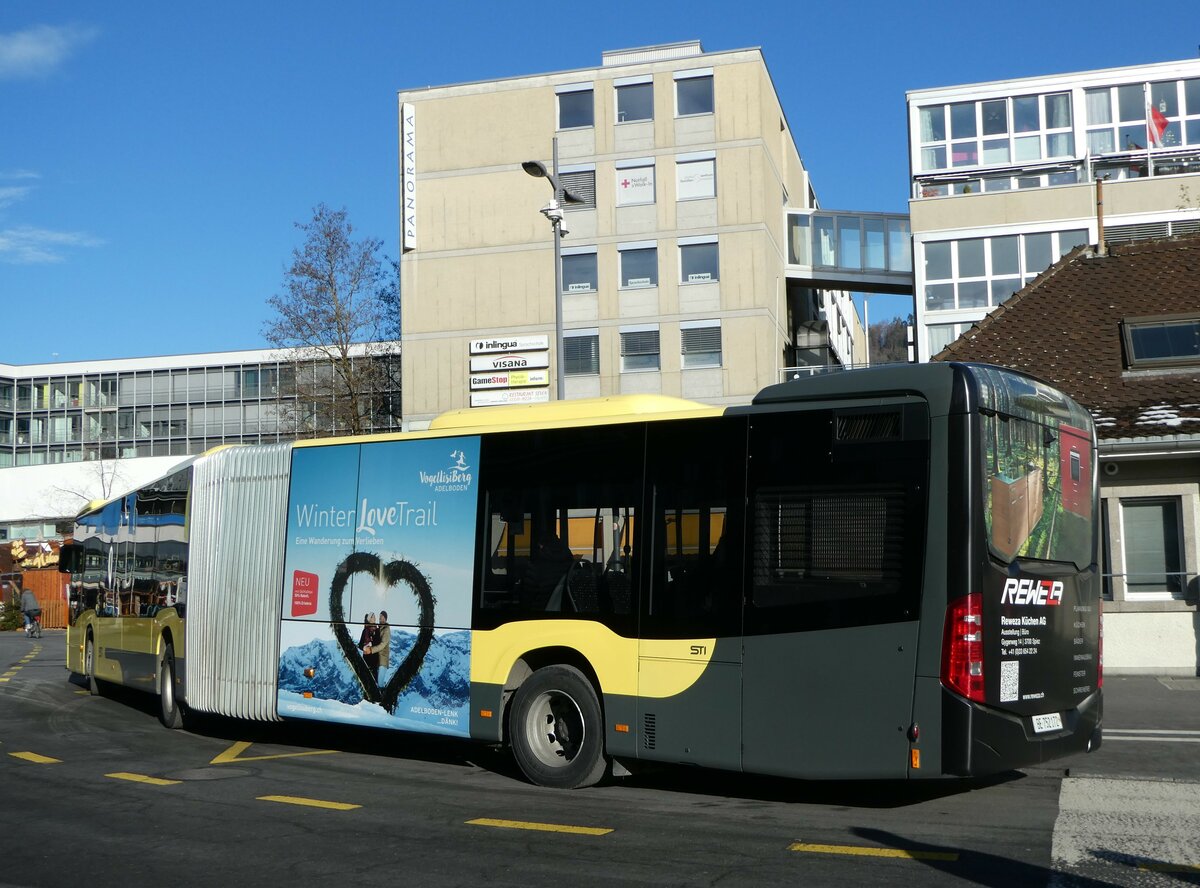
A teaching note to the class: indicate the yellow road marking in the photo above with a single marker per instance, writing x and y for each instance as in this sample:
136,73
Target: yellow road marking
541,827
35,758
310,803
11,673
872,852
84,692
234,754
142,778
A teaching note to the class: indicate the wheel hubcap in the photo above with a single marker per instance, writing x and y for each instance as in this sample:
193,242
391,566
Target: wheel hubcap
554,725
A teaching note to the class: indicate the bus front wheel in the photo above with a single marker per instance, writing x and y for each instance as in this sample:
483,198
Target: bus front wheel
170,712
557,729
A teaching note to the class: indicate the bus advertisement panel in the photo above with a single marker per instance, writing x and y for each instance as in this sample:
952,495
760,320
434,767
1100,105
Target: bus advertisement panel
380,529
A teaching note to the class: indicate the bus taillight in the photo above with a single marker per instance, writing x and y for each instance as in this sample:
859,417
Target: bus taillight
1100,651
962,647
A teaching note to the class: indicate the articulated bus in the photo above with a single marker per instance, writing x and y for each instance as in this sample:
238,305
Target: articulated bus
885,573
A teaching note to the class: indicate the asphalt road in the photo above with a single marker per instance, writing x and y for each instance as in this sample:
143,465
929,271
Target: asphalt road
95,790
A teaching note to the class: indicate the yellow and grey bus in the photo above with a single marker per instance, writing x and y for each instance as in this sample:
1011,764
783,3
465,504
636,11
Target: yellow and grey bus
886,573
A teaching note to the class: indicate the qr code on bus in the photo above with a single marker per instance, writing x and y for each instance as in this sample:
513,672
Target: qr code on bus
1010,680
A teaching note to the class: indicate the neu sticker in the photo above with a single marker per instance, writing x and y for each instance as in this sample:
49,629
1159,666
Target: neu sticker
304,593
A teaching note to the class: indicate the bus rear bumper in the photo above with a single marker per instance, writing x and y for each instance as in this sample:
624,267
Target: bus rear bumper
1000,741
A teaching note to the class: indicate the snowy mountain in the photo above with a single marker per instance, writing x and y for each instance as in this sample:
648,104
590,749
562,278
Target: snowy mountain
443,681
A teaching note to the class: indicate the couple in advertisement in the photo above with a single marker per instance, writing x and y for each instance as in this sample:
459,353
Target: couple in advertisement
374,642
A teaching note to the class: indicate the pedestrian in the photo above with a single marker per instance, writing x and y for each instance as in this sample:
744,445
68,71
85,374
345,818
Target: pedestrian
29,604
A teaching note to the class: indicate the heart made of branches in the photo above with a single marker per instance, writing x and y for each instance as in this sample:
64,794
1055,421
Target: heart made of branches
390,574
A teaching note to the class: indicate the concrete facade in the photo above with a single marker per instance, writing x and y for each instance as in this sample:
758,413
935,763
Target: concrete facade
480,259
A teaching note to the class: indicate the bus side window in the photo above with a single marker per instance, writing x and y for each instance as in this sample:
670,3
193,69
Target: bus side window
696,578
837,517
559,534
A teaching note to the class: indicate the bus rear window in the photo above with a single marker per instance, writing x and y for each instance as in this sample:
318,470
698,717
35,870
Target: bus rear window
1037,489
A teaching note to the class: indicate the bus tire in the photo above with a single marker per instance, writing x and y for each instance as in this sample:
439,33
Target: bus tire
557,729
89,666
170,712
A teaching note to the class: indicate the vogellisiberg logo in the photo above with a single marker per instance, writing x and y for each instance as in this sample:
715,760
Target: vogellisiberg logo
456,477
1030,591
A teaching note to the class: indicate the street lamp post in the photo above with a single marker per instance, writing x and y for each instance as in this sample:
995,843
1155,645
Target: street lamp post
553,211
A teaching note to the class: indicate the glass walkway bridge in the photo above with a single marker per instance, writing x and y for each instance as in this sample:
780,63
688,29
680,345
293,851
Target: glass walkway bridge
859,252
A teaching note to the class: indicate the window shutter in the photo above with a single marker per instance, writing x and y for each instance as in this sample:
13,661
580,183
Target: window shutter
642,342
701,339
581,184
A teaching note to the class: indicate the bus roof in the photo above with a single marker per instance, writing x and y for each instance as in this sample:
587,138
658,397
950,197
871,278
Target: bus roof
584,411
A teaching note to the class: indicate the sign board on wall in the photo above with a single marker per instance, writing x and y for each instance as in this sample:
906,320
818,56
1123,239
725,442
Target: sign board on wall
696,179
493,344
510,396
510,378
635,185
408,176
510,361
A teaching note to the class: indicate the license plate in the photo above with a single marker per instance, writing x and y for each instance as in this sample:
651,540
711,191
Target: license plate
1045,723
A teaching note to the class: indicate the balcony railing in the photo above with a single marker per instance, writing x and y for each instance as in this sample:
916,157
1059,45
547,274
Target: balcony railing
1125,165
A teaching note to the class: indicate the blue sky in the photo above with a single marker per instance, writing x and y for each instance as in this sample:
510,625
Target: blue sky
155,157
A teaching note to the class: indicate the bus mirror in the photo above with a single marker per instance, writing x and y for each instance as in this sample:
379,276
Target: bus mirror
69,558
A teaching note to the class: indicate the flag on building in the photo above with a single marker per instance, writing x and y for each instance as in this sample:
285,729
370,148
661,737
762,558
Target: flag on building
1156,125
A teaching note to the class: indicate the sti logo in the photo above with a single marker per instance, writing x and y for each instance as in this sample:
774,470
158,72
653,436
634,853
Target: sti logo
1028,591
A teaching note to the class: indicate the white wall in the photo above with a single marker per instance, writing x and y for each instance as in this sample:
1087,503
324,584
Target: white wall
60,490
1151,644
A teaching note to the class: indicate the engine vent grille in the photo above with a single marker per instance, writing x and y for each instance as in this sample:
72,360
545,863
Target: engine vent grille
648,731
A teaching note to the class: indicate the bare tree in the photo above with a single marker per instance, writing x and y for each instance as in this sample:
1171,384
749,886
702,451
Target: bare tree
338,319
96,479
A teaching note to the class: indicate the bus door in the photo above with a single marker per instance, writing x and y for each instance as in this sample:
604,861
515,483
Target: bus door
689,649
835,535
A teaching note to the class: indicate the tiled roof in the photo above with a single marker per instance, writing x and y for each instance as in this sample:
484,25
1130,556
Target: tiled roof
1065,327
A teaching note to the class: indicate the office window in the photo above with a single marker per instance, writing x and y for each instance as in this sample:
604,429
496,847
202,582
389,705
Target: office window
698,261
639,349
693,93
635,182
581,352
581,183
695,178
639,264
1162,342
576,106
635,101
579,271
1153,567
994,132
984,272
700,343
941,335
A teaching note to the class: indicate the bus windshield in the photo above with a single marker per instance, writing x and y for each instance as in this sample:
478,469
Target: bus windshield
1037,477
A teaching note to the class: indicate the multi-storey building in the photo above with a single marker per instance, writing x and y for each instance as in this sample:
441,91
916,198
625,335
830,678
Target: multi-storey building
69,430
1004,179
674,275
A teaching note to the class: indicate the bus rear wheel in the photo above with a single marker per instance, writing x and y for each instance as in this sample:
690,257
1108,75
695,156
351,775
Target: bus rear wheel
557,729
170,711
